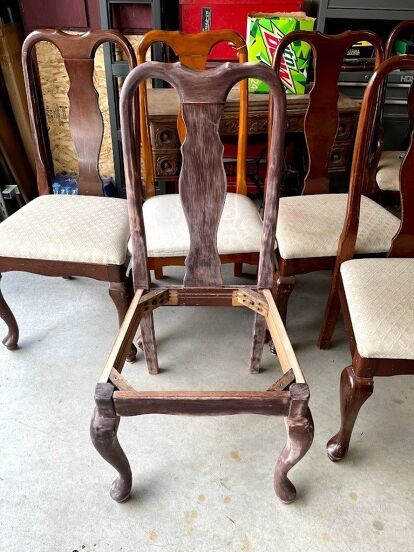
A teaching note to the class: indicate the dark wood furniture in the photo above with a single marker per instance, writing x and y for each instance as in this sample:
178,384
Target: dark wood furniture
384,166
310,225
163,106
202,193
82,235
376,294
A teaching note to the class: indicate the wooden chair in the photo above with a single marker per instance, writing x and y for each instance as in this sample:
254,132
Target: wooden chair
202,193
384,166
167,236
310,225
377,295
69,235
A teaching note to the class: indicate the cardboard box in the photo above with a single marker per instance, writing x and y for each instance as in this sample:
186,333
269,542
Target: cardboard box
264,32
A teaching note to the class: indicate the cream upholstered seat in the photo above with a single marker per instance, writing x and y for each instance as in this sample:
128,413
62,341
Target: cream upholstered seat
388,171
380,297
73,228
310,226
167,234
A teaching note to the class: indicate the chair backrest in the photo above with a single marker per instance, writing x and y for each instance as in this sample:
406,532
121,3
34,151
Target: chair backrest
192,51
85,118
202,184
378,139
403,242
322,115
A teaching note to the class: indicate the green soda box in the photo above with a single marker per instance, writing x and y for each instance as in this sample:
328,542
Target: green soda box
264,32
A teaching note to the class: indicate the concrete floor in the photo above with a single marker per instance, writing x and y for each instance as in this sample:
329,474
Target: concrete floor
200,484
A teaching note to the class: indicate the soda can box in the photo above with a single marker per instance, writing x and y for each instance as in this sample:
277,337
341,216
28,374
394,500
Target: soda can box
264,32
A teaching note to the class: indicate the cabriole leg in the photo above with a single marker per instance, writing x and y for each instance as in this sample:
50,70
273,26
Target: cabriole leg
121,295
299,426
259,333
103,430
355,390
12,337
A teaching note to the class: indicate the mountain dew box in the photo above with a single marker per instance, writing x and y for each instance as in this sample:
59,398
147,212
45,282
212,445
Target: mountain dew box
264,32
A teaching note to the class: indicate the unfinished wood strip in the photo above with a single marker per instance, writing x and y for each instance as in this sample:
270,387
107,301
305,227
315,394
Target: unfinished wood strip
201,403
128,329
281,341
283,382
252,300
119,381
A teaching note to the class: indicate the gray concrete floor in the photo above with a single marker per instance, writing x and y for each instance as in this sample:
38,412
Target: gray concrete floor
200,484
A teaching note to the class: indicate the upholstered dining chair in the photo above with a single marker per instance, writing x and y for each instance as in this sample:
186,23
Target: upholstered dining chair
310,225
384,166
202,194
377,295
69,235
168,239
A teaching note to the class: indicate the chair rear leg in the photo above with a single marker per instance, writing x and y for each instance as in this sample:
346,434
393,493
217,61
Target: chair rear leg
121,295
355,390
159,273
259,335
299,427
103,431
12,337
333,308
282,288
149,343
238,270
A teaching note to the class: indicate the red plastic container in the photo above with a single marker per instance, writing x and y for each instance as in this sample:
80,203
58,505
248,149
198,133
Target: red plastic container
196,16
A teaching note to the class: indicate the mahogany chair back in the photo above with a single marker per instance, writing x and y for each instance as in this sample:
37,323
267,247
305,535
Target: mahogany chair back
192,51
322,115
202,184
378,139
403,242
85,118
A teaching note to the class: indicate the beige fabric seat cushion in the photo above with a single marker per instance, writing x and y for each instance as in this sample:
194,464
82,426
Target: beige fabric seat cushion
167,234
310,226
380,297
73,228
388,173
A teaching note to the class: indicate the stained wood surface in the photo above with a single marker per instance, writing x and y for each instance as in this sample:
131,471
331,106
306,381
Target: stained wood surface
85,119
322,116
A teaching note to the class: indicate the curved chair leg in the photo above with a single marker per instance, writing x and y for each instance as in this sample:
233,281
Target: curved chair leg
121,295
12,337
355,390
103,431
148,342
259,334
299,427
333,308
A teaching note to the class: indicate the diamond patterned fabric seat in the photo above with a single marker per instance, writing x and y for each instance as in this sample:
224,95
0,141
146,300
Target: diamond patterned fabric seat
310,226
72,228
167,235
388,172
380,297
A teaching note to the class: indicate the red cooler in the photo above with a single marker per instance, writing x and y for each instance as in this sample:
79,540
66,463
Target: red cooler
196,16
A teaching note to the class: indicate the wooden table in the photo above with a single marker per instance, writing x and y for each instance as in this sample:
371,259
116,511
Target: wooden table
163,106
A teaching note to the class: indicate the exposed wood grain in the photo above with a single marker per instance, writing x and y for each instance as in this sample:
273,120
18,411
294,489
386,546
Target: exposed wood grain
119,381
253,301
284,349
283,382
